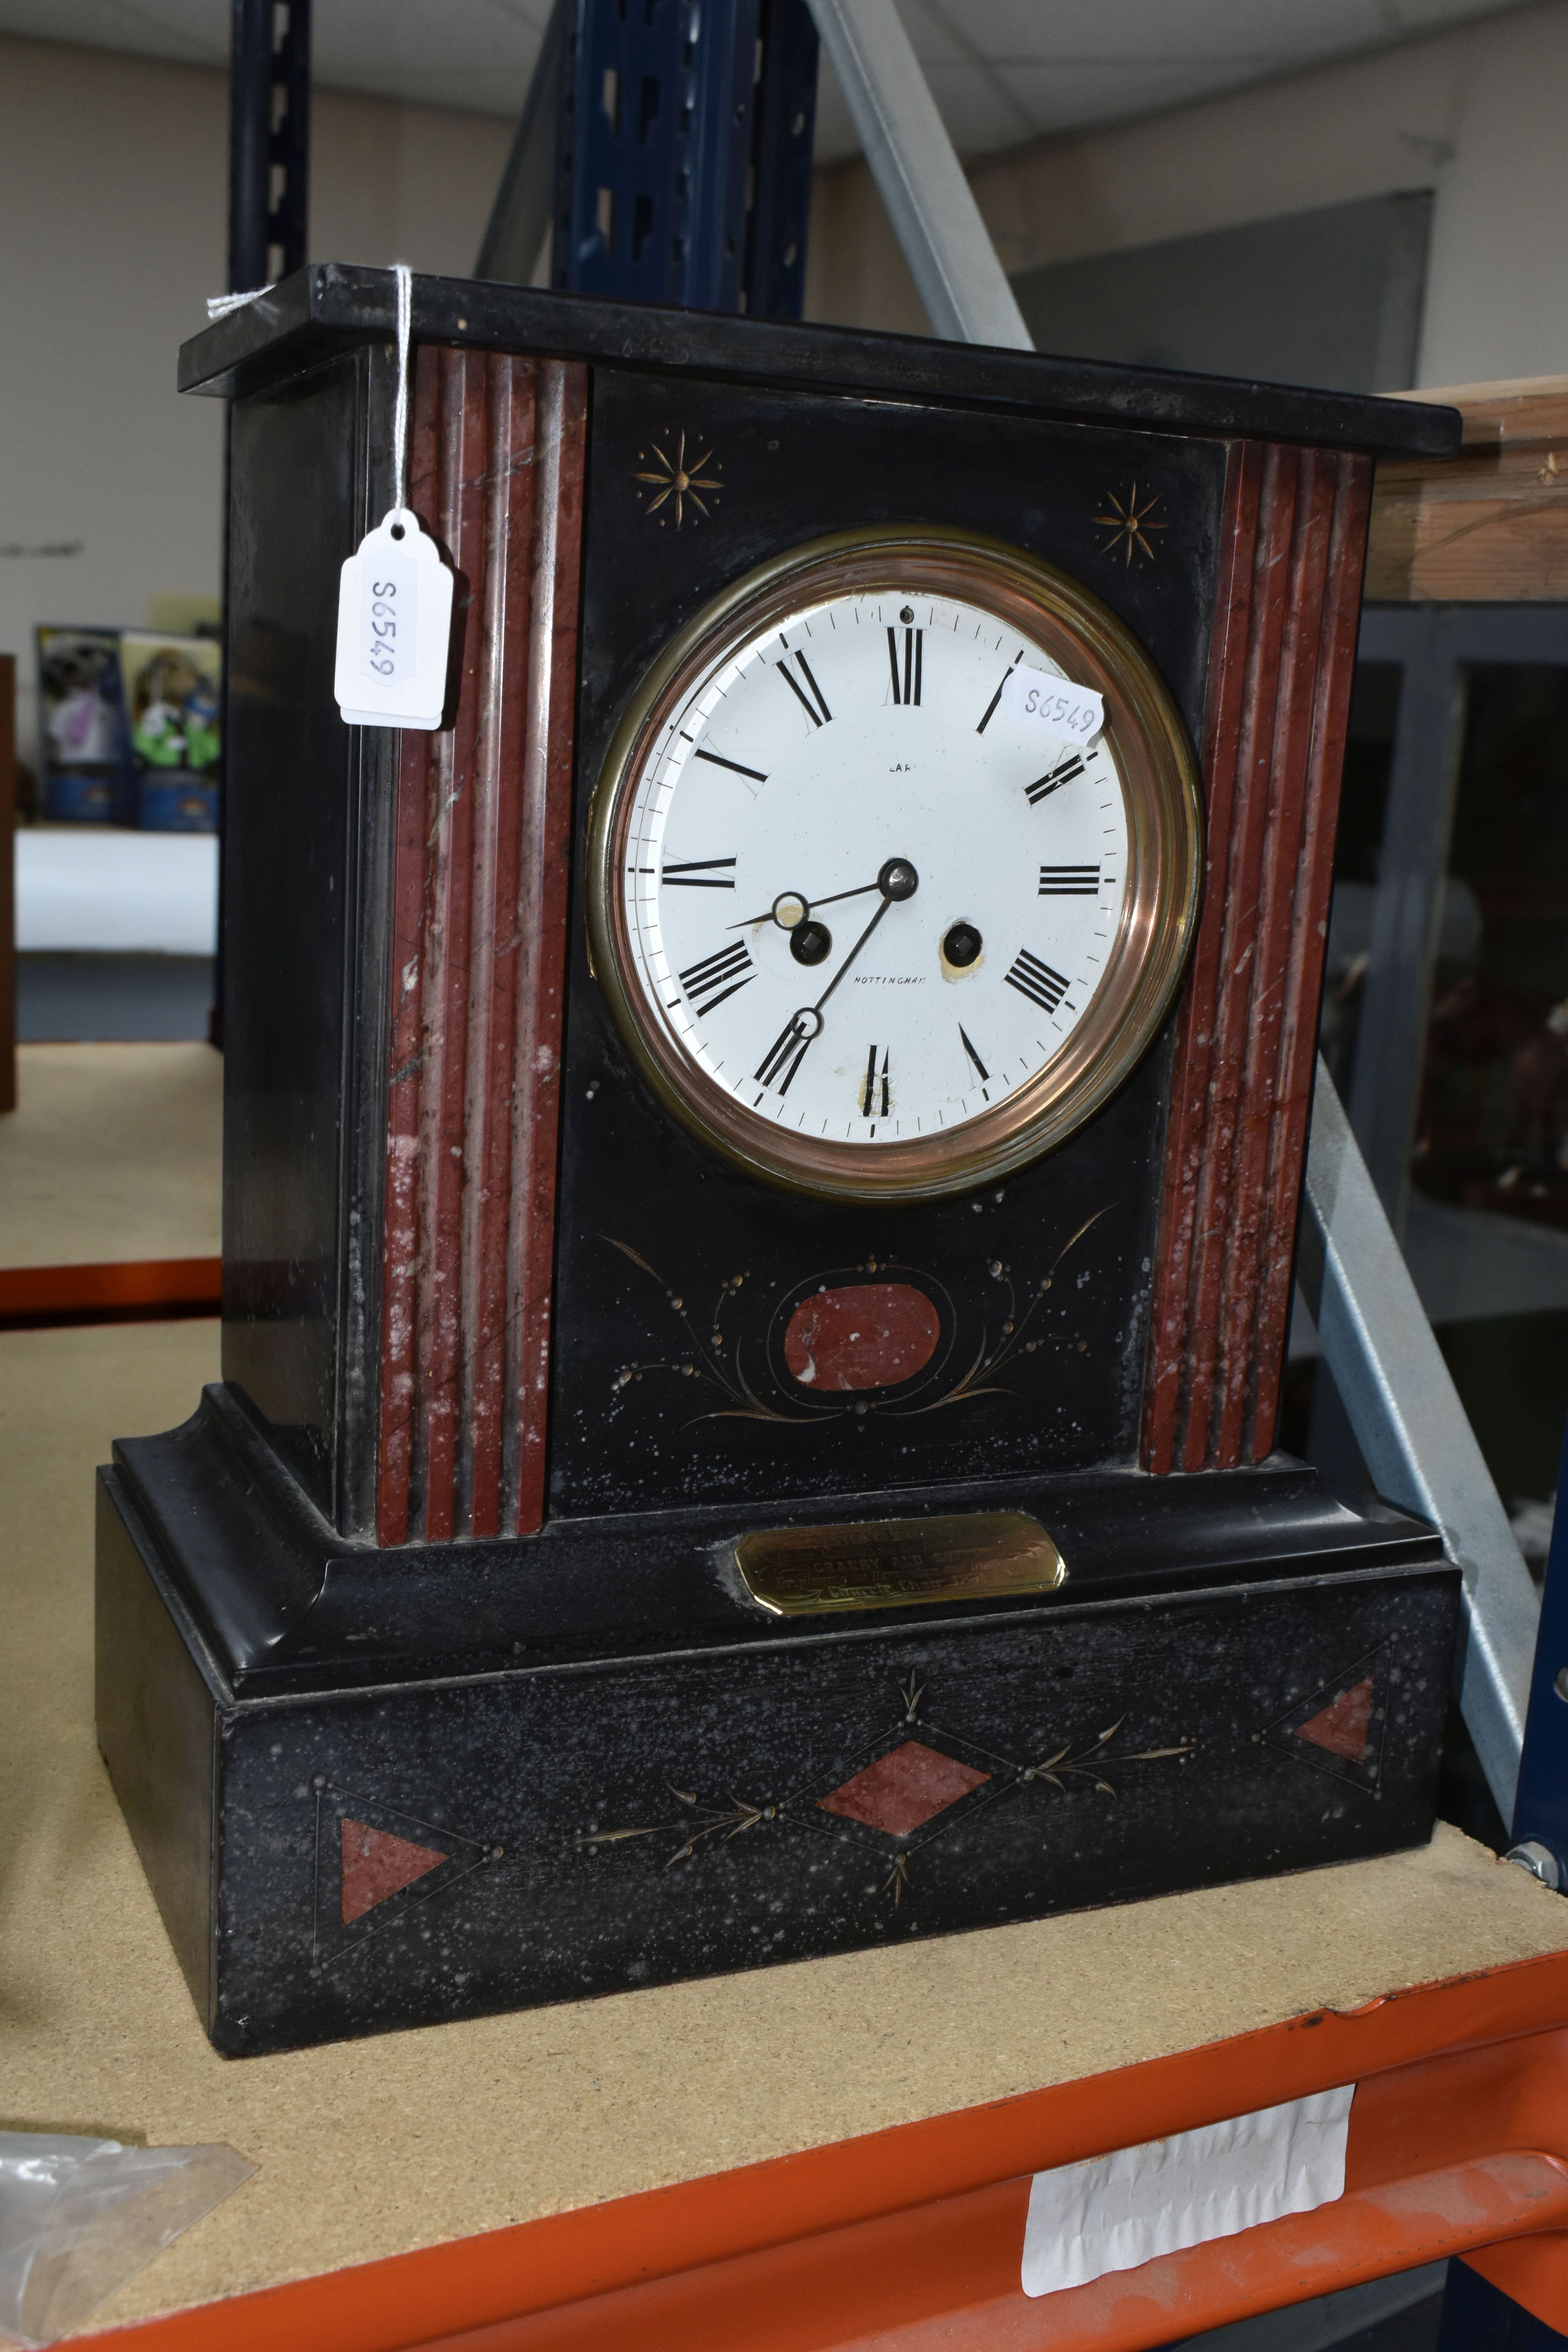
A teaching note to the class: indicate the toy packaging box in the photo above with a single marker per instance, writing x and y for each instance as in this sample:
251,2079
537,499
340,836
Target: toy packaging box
88,773
172,690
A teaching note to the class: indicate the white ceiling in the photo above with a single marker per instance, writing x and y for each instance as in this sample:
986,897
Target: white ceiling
1003,71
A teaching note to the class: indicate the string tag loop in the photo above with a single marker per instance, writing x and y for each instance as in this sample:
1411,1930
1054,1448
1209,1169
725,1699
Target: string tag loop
395,596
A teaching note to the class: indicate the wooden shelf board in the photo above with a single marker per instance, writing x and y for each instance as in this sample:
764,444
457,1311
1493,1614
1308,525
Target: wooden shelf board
678,2142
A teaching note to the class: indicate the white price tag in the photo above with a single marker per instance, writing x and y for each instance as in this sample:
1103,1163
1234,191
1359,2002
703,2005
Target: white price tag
388,609
1072,713
395,627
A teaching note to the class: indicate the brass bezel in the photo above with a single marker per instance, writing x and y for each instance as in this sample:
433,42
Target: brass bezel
1163,864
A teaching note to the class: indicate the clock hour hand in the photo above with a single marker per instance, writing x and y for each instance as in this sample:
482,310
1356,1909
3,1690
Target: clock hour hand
793,908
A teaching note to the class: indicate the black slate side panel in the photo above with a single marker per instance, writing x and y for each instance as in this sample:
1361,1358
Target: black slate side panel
155,1730
629,1431
290,787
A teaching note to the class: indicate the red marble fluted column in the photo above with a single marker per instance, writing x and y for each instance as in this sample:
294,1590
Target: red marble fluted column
1278,696
479,952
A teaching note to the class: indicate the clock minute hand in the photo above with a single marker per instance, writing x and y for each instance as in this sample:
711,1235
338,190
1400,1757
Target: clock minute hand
898,880
849,959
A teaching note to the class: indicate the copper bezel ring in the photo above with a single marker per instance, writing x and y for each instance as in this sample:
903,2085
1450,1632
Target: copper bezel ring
1159,913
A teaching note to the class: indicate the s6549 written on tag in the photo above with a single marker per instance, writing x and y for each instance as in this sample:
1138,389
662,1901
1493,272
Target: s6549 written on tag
395,626
1073,713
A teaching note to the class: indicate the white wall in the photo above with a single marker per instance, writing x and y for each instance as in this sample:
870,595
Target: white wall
1479,114
113,202
114,194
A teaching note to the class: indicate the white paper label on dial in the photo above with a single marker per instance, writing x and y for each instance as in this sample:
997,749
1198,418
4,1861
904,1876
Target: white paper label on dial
1074,714
395,626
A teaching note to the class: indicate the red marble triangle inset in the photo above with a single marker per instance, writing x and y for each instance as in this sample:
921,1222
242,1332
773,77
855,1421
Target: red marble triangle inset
376,1865
1342,1726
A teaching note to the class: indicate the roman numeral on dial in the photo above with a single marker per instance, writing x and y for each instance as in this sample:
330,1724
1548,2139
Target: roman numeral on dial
913,654
705,874
805,689
1064,881
717,760
719,975
784,1056
874,1093
1037,981
991,706
1068,772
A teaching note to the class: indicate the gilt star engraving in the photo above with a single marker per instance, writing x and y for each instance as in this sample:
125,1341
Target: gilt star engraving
1128,525
675,483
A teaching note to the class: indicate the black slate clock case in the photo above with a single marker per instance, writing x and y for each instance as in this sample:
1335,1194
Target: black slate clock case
376,1784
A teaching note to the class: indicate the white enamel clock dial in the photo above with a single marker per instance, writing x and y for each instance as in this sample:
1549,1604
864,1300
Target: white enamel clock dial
867,897
863,898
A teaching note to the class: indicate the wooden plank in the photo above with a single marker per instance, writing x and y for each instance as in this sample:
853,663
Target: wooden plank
912,2238
1490,525
494,2172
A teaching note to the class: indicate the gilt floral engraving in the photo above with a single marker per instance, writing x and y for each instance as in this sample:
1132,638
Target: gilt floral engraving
894,1795
960,1365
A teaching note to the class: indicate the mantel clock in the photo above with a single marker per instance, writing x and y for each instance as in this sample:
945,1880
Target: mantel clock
760,1170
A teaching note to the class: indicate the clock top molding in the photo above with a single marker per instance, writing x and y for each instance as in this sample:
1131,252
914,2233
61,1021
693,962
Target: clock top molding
331,306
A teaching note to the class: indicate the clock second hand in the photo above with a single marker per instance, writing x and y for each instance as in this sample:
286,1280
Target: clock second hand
898,880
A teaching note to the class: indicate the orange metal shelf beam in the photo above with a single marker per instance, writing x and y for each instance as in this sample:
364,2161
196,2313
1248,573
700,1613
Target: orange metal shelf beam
910,2240
112,1293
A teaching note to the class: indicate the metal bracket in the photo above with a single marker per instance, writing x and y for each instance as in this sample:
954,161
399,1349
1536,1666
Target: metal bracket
666,151
921,181
525,201
1413,1430
1376,1341
269,141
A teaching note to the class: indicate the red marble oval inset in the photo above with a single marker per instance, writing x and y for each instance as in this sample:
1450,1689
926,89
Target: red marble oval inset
870,1335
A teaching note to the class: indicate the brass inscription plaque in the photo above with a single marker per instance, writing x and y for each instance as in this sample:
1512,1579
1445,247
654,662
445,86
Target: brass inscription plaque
897,1563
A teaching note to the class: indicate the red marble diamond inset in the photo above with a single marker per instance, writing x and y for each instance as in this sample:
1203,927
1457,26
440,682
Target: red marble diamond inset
903,1790
376,1865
